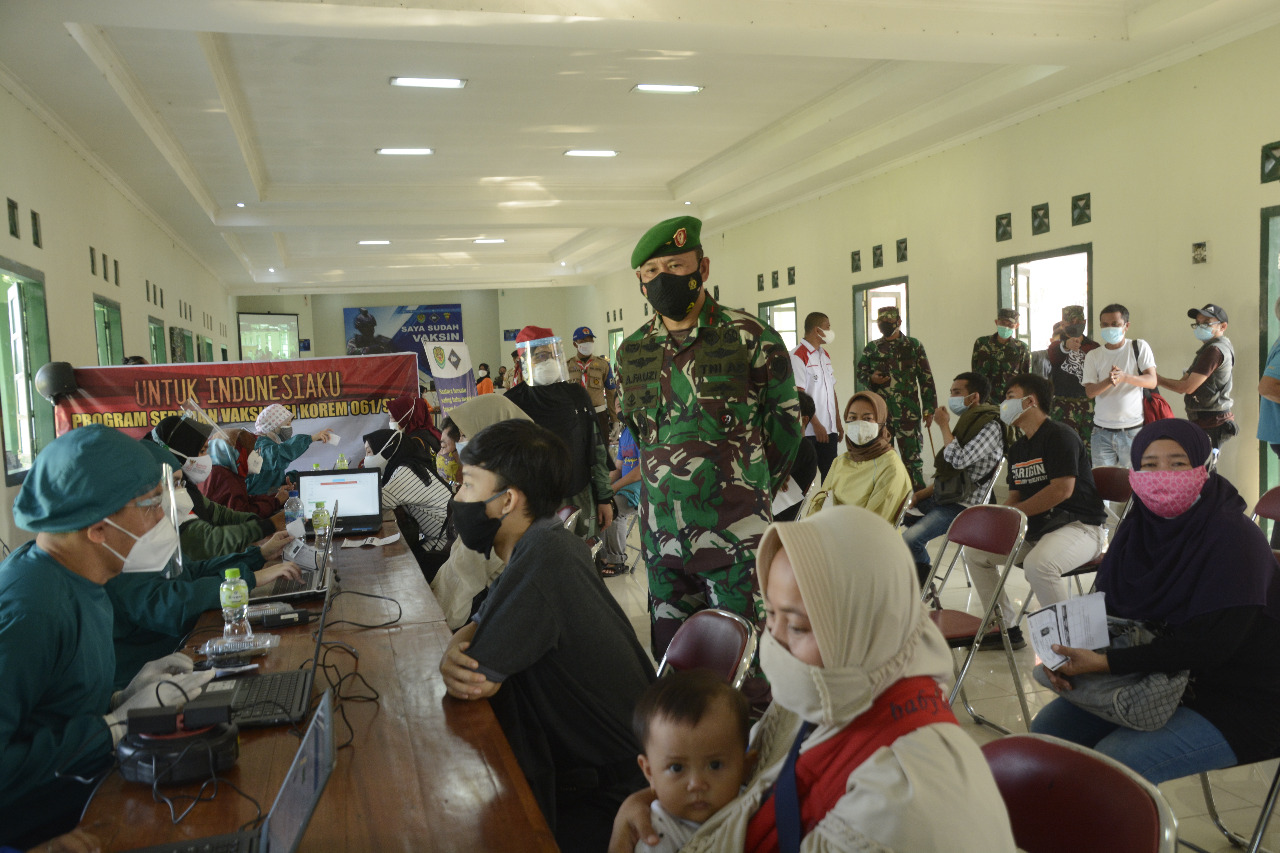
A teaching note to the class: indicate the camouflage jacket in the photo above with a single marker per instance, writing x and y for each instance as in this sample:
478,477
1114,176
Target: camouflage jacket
717,422
1000,361
910,377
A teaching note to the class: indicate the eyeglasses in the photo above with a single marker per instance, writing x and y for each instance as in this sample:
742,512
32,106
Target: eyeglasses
1208,325
544,355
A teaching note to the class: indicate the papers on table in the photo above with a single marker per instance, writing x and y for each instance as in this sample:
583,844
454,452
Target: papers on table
1077,622
370,540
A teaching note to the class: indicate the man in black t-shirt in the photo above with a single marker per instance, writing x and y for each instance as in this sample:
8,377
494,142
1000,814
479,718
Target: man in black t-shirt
550,648
1051,482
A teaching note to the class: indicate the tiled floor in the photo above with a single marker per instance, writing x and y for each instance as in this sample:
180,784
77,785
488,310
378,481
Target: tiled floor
1239,792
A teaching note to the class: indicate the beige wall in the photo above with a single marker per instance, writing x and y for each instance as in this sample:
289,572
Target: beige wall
1170,159
80,208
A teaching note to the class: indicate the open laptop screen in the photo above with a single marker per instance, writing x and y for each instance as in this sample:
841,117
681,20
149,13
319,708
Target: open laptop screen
355,492
304,783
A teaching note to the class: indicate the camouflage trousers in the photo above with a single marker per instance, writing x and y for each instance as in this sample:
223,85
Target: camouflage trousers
1077,413
674,596
910,442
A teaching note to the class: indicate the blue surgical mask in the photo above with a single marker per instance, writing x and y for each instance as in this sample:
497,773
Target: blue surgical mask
1112,334
956,405
1203,332
1011,410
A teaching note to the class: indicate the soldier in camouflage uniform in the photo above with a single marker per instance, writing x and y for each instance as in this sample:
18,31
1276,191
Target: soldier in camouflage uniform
1066,354
896,367
707,392
1001,356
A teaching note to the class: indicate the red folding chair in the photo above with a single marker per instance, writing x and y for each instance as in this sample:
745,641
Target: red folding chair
1000,530
717,640
1063,798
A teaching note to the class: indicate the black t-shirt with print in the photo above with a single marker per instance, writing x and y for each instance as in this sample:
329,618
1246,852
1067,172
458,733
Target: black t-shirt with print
1054,451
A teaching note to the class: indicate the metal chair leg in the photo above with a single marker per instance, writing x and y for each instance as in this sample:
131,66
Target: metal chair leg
1253,844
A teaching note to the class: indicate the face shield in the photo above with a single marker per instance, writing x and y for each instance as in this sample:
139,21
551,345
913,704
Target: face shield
542,361
157,549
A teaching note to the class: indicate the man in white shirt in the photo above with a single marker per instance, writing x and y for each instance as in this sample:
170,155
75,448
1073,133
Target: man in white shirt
814,374
1114,376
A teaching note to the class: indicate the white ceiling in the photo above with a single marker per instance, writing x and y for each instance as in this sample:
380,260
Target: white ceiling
199,104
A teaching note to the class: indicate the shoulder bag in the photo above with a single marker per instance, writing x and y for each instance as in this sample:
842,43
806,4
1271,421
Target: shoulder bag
1140,701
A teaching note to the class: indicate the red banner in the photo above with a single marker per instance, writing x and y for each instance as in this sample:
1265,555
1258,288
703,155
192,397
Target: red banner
135,398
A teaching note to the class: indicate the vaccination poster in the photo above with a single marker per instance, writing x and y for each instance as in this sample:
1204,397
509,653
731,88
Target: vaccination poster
402,328
347,395
451,366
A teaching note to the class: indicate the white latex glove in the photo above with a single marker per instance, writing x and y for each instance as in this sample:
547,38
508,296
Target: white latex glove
174,664
190,683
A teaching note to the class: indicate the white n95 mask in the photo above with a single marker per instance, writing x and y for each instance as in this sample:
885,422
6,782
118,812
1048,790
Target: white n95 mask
151,551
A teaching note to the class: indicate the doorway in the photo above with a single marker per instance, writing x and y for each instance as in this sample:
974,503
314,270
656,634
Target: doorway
1039,286
1269,328
868,299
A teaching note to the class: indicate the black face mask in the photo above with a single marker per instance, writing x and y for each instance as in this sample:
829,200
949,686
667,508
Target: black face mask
887,329
475,528
673,296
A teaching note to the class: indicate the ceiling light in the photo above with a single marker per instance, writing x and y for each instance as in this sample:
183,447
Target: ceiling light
562,263
586,152
688,202
271,269
407,152
373,243
664,89
489,240
239,204
429,82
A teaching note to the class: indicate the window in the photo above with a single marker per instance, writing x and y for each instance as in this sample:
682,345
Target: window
1269,283
181,345
781,315
28,418
206,349
268,336
155,334
615,338
106,323
1039,286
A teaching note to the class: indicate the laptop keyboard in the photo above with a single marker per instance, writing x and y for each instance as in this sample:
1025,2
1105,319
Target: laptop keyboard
269,697
283,586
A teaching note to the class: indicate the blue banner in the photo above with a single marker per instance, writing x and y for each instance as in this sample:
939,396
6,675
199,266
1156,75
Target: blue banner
402,328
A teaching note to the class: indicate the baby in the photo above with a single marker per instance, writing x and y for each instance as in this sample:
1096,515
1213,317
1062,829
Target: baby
694,730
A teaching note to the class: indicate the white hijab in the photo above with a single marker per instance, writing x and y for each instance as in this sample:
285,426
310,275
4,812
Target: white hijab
859,586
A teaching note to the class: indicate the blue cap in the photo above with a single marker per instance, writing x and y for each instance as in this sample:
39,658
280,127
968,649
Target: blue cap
582,332
83,477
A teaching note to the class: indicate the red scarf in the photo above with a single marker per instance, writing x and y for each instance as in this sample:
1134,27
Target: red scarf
822,773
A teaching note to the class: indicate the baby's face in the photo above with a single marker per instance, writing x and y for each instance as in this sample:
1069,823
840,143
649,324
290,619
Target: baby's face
696,770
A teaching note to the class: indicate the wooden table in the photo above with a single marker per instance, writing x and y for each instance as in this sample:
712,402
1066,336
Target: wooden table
424,771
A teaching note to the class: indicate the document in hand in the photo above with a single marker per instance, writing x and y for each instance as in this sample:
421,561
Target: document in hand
1077,622
370,540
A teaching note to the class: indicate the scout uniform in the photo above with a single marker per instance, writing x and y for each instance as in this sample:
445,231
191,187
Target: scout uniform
1071,405
1000,359
910,383
595,374
716,417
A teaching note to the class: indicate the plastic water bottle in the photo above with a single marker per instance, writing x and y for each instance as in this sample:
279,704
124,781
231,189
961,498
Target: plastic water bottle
234,595
342,463
293,508
320,520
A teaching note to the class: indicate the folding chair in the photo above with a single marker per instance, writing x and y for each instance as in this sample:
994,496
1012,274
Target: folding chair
1253,844
902,511
982,499
1000,530
1112,484
1065,797
717,640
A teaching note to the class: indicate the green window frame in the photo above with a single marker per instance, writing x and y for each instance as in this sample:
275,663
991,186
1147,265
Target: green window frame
27,417
107,326
155,335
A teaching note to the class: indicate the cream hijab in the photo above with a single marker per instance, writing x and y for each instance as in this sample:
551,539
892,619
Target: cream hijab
484,411
859,586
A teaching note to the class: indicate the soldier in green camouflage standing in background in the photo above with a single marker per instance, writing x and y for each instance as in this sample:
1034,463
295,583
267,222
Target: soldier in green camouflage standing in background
896,367
707,392
1071,405
1001,356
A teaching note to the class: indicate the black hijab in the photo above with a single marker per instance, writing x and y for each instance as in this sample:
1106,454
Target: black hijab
1210,558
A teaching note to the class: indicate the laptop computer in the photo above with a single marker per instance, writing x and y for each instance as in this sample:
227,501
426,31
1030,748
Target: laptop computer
358,489
273,698
285,823
317,571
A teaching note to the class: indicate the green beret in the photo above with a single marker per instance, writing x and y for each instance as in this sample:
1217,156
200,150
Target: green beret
81,478
669,237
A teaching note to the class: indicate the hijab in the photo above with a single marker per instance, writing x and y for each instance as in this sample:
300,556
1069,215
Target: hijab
387,443
1210,558
224,455
866,613
413,414
880,446
484,411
